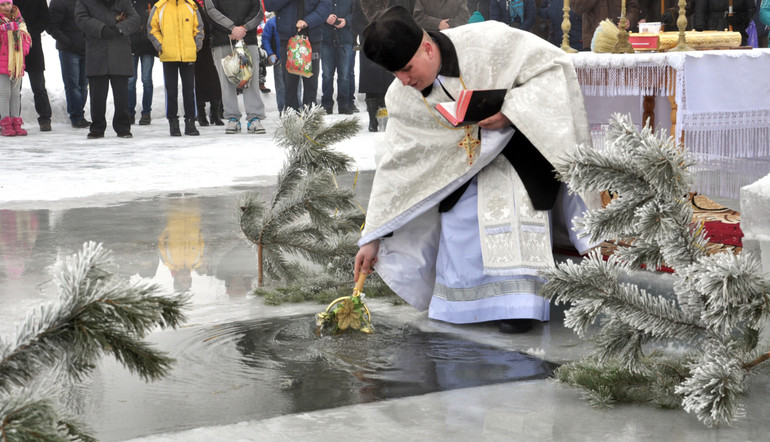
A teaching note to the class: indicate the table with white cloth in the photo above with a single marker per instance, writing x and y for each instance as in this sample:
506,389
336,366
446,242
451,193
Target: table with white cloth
719,101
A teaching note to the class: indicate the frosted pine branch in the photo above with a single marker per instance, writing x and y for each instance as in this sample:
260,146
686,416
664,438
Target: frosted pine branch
719,302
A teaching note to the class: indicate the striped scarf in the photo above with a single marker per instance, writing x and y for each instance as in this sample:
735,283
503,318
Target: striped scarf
15,41
516,9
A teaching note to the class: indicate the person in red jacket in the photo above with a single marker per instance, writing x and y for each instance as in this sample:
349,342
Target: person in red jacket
14,47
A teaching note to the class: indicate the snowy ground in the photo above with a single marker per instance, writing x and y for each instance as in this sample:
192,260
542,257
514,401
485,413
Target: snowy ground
62,164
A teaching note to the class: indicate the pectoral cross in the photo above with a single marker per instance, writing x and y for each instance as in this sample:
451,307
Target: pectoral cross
469,143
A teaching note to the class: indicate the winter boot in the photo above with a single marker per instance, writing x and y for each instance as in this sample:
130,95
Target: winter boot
202,114
372,106
215,113
17,126
173,127
189,127
6,124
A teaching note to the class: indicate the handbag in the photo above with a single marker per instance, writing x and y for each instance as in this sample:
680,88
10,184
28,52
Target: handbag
238,67
299,56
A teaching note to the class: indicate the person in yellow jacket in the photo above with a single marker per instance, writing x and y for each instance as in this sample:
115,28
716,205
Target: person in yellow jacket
176,31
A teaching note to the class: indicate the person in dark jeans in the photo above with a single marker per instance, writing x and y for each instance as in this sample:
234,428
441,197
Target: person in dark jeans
335,57
72,56
144,52
293,17
35,13
106,25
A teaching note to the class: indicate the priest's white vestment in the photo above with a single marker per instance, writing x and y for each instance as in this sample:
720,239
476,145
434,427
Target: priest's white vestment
487,270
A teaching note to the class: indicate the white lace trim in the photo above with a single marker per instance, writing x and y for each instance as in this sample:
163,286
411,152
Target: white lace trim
744,133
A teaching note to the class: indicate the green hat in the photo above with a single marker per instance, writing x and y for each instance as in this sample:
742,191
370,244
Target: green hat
476,17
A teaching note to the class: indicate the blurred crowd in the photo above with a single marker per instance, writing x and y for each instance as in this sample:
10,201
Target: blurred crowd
108,45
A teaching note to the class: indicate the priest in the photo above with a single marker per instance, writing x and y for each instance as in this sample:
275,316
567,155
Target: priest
461,219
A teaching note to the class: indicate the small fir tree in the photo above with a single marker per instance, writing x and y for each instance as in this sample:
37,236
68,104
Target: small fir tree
95,314
309,215
718,305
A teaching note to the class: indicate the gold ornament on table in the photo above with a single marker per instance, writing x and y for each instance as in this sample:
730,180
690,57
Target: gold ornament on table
681,23
623,46
566,26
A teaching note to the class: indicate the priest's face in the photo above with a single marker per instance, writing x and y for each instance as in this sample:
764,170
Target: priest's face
423,68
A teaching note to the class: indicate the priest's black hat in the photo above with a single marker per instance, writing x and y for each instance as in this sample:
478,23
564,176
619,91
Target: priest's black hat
392,38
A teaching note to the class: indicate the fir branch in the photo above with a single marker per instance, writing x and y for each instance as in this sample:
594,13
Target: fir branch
29,417
730,292
309,138
721,300
713,390
92,316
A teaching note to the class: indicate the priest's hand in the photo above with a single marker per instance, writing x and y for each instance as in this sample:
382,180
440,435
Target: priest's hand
366,258
496,121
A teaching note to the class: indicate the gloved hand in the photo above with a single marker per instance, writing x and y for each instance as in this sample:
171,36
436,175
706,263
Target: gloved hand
734,20
10,26
667,18
272,59
110,32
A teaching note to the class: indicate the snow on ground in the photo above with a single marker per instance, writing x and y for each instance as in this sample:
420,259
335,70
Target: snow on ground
62,164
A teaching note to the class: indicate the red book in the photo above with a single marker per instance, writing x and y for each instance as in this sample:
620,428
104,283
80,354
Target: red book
472,106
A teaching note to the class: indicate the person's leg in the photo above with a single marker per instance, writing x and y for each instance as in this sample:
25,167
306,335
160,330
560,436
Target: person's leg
15,107
310,84
132,89
98,87
5,96
83,83
252,102
343,71
352,78
229,95
6,122
187,74
70,75
280,88
120,120
232,113
40,95
171,81
328,66
290,83
148,61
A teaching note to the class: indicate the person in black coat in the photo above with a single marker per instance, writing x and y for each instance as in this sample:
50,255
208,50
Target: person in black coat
206,77
144,52
72,55
107,25
711,15
35,13
373,80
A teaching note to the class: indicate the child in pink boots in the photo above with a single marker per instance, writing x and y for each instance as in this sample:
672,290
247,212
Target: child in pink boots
14,46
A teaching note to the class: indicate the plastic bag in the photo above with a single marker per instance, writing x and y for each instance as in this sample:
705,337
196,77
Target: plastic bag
238,66
753,39
299,56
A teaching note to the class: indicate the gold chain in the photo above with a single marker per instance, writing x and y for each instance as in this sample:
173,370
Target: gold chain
469,143
434,115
